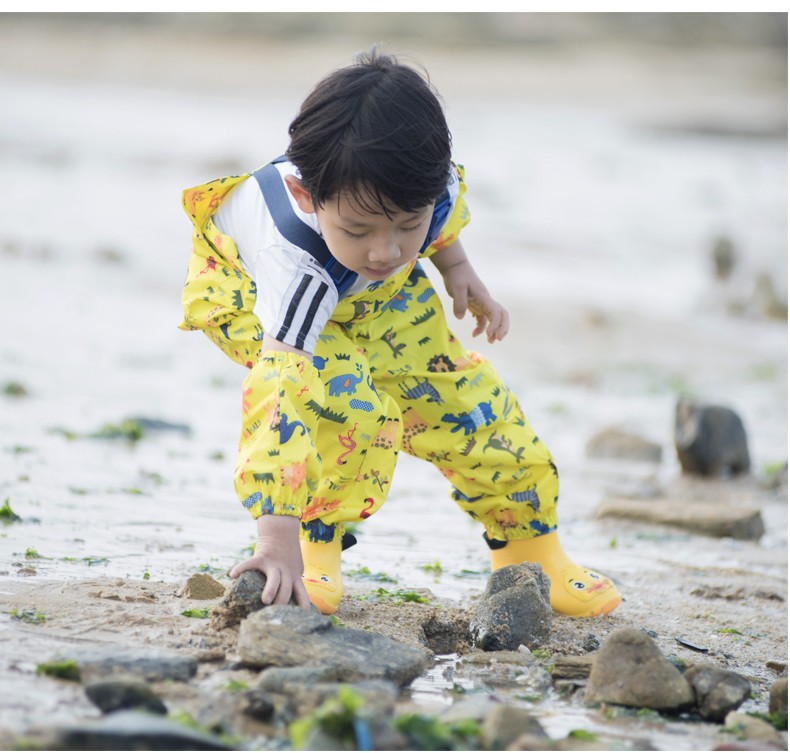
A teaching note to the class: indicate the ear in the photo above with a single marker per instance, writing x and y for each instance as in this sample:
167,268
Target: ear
300,193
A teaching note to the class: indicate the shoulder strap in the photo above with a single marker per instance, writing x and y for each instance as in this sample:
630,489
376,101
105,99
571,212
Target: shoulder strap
296,231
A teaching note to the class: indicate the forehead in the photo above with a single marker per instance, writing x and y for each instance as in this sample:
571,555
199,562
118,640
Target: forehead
368,208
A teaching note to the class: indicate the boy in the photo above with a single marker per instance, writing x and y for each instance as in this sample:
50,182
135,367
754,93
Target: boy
308,272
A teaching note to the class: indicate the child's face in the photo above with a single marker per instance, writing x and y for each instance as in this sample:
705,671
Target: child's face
371,244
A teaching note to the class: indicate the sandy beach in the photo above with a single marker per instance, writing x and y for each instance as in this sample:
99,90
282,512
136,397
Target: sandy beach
601,175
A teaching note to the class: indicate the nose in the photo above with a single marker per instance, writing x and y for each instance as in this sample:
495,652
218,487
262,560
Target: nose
384,251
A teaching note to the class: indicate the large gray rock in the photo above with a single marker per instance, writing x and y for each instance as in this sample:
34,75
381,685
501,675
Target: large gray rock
710,439
717,691
630,670
514,609
151,666
708,518
118,694
288,636
132,730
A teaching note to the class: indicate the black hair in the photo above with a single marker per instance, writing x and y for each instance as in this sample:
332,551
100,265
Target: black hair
375,131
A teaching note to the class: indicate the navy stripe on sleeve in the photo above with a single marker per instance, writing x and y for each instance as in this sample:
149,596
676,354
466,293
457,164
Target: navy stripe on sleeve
310,315
293,306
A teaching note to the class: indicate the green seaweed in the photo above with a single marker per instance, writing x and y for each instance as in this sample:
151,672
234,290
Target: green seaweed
778,719
582,734
338,717
127,429
68,669
434,568
202,614
365,573
14,389
426,732
31,616
395,597
7,515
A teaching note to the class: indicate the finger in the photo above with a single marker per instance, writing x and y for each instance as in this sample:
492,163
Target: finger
272,586
284,593
481,320
493,325
300,595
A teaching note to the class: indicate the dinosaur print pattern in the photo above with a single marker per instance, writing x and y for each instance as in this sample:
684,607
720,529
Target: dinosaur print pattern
480,415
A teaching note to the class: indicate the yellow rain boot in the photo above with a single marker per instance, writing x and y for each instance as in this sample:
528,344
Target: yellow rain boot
575,591
322,577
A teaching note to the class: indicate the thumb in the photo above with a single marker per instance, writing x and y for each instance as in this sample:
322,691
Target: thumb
242,567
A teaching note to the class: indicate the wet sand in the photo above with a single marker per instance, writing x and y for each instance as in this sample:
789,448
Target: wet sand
600,247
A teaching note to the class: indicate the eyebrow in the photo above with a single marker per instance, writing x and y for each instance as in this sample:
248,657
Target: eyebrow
410,217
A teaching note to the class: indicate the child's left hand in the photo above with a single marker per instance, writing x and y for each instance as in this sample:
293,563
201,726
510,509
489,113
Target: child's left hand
469,293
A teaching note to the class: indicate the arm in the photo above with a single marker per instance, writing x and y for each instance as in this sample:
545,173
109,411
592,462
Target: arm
277,554
469,293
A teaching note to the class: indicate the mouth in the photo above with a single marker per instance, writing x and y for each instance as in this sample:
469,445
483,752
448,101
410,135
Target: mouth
597,586
378,274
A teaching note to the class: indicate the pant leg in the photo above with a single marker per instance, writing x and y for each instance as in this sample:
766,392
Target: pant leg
460,416
358,438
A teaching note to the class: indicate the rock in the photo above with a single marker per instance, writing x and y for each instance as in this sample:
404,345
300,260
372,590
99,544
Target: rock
717,691
308,687
535,742
476,708
279,679
623,445
514,609
258,705
778,696
203,586
505,669
114,695
591,643
151,666
505,723
710,439
630,670
288,636
443,635
133,730
723,257
707,518
242,598
572,667
751,728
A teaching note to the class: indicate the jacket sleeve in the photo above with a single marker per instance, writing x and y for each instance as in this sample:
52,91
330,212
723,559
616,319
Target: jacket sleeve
278,466
458,219
218,297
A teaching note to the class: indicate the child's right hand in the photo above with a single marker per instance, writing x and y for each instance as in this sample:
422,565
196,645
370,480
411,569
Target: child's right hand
279,558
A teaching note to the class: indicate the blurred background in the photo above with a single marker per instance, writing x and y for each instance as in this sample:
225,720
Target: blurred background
627,180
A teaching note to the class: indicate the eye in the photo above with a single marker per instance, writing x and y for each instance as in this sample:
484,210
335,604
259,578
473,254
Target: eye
325,579
411,229
578,585
353,235
594,576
